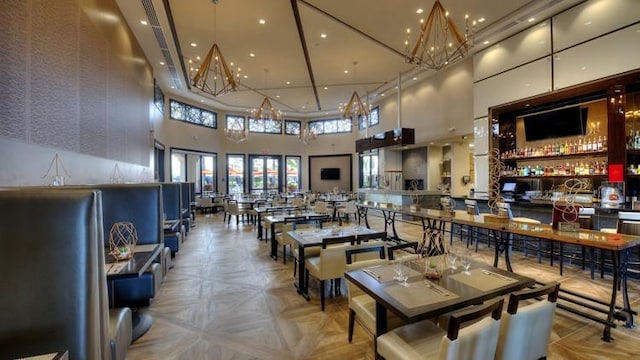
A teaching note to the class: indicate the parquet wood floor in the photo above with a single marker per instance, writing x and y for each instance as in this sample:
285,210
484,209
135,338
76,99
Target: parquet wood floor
227,299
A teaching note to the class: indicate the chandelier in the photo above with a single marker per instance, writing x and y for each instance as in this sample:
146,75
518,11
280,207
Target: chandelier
439,42
307,135
266,111
213,76
354,108
235,130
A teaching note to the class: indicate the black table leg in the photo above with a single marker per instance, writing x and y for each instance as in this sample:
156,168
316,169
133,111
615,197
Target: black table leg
301,286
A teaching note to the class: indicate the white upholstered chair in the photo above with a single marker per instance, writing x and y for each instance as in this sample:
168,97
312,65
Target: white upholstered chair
331,263
362,307
425,340
525,331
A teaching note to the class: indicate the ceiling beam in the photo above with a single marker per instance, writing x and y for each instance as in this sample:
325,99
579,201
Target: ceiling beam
303,42
380,43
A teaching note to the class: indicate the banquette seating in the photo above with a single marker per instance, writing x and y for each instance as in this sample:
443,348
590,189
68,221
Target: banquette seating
171,206
140,204
54,287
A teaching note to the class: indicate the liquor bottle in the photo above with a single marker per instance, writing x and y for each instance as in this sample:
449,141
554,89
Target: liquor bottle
636,140
599,146
605,146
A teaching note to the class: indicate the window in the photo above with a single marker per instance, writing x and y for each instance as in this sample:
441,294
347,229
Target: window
192,114
265,126
369,170
235,122
330,126
292,127
374,119
235,174
293,177
265,174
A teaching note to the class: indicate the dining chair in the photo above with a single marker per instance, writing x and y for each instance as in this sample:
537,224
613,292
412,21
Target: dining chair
404,251
321,207
362,307
330,264
525,331
234,209
426,340
347,209
282,237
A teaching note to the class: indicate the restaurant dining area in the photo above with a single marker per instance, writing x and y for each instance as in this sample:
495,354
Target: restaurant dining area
320,179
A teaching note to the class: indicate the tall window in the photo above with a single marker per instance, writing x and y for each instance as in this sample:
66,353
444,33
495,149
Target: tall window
330,126
293,178
369,170
193,114
235,174
178,167
265,173
208,174
374,118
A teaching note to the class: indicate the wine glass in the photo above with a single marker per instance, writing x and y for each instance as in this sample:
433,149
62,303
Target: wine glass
451,257
465,261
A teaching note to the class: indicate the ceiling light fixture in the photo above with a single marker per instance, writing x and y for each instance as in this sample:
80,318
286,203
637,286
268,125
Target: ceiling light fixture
266,112
307,135
214,76
439,42
355,108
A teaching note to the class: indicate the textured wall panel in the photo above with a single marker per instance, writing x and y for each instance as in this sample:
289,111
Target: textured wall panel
13,68
93,92
54,81
116,111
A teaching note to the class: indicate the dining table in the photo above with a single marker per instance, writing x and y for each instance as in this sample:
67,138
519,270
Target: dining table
503,230
307,238
143,256
423,298
272,220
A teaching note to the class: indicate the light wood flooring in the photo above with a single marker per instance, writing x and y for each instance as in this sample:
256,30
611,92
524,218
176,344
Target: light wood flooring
227,299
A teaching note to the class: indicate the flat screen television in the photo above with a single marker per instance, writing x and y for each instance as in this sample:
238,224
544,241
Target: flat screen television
565,122
509,187
330,173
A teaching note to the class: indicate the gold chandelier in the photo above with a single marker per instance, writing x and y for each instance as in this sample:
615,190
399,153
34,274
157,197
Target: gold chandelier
354,108
213,76
439,42
266,111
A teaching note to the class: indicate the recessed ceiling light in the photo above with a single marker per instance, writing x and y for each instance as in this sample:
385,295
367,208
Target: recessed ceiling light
531,19
486,42
481,20
288,83
419,11
304,106
346,71
201,100
173,87
381,94
194,44
197,57
324,36
278,96
144,22
161,62
262,21
252,55
326,88
245,76
431,143
415,78
583,68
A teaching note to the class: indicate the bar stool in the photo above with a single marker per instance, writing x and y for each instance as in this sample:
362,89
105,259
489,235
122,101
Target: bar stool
506,207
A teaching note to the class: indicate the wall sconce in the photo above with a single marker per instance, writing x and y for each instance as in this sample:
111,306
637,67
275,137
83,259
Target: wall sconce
466,179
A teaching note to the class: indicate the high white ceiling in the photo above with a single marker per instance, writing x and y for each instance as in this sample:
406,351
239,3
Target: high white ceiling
369,32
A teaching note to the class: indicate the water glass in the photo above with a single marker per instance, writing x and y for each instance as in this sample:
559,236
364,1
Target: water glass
465,261
451,257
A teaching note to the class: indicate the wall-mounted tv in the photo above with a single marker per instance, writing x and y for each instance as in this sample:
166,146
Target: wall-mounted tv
330,173
571,121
